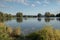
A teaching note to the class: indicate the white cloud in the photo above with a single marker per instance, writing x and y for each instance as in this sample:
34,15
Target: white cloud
4,6
18,1
38,2
46,1
33,5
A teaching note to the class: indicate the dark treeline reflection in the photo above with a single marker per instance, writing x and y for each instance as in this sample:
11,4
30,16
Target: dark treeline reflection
25,18
20,19
58,19
48,19
5,19
39,19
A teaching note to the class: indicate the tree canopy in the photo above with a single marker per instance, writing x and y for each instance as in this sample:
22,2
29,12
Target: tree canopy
19,14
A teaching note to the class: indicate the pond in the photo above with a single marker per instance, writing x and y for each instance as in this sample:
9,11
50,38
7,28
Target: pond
29,25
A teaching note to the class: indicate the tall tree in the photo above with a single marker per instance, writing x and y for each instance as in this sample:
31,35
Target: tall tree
52,15
58,15
1,14
39,15
47,14
19,14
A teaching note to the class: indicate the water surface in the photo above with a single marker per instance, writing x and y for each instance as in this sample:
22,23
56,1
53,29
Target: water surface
29,25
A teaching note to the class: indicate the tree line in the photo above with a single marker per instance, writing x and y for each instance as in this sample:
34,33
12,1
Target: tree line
20,14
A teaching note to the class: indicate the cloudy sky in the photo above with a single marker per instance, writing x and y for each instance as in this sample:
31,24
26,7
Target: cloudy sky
30,7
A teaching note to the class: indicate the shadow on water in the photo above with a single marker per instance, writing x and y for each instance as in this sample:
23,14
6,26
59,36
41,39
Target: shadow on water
20,19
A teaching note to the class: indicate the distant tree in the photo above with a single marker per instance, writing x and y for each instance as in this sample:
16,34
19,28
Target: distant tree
1,14
47,14
39,15
19,14
52,15
58,15
9,15
6,15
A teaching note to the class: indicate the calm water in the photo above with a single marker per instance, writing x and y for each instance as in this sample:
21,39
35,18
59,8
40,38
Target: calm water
29,25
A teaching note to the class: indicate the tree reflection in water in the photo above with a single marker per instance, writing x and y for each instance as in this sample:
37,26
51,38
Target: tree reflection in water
39,19
5,19
47,19
20,19
58,19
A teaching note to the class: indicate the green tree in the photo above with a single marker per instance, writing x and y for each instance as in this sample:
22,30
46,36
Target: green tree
19,14
58,15
39,15
1,14
47,14
52,15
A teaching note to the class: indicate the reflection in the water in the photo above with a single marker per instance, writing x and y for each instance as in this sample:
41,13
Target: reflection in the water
5,19
20,19
39,19
32,24
1,20
47,19
25,18
58,19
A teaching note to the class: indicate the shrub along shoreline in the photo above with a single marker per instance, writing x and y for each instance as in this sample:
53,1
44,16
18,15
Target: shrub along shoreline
46,33
7,33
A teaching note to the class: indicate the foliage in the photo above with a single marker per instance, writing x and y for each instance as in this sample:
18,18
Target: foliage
4,36
5,16
3,33
39,15
19,14
58,15
52,15
47,33
47,14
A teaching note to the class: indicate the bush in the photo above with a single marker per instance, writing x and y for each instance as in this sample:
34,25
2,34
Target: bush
47,33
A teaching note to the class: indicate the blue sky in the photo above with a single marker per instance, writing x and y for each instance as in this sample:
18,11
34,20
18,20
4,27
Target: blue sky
30,7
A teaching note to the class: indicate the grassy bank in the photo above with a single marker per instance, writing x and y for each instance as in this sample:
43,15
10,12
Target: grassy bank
46,33
7,33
